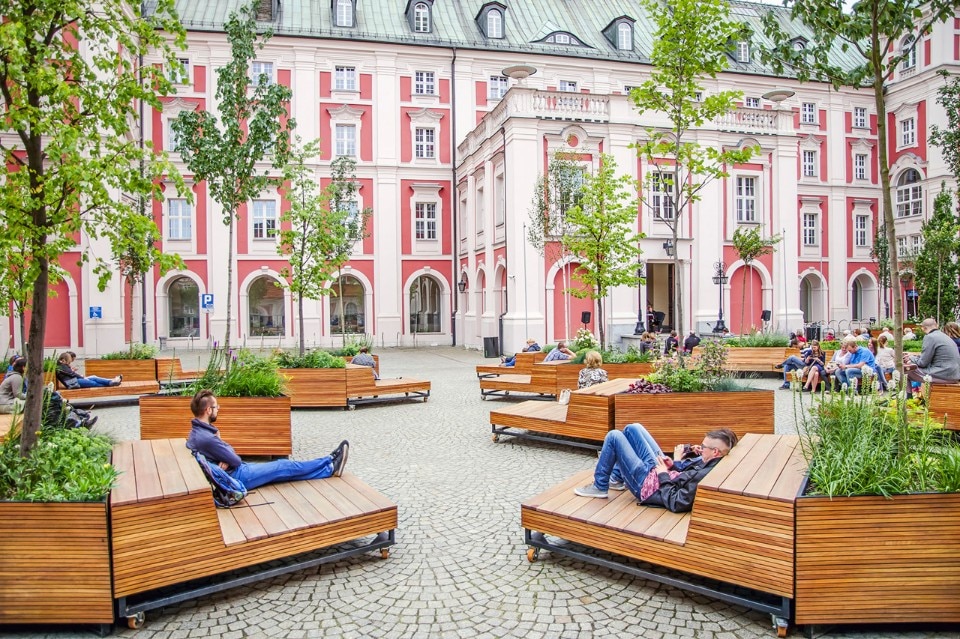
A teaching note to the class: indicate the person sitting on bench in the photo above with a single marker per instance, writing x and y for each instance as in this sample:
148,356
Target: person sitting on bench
72,379
204,438
633,459
364,358
560,353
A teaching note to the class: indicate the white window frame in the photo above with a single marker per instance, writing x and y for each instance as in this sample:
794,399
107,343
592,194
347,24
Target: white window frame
480,210
343,16
811,229
499,196
263,220
344,144
180,76
567,86
809,163
497,87
625,36
425,143
861,231
661,204
808,113
752,102
860,163
172,136
494,24
422,21
745,199
916,244
425,222
908,46
427,194
260,68
743,51
902,246
908,132
561,38
860,119
344,78
909,196
424,83
179,220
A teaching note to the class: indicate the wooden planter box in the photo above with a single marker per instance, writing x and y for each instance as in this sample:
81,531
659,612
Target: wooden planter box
376,358
683,418
55,566
133,370
945,404
877,560
316,387
258,426
569,376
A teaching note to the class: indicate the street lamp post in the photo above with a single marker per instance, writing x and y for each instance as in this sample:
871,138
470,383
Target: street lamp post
720,278
639,328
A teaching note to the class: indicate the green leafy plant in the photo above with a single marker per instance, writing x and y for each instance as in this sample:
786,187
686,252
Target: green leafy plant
66,465
759,340
673,373
311,359
632,356
248,375
352,346
584,339
712,362
136,351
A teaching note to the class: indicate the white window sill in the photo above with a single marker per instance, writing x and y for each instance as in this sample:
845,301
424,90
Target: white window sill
344,94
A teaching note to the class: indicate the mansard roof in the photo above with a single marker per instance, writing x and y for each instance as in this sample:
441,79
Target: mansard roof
454,25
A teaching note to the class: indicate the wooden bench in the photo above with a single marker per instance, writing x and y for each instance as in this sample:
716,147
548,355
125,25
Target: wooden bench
569,377
523,366
945,404
541,381
166,532
170,371
588,416
362,388
127,392
740,532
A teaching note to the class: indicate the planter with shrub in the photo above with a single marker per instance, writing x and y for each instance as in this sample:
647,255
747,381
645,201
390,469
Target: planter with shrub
316,379
136,364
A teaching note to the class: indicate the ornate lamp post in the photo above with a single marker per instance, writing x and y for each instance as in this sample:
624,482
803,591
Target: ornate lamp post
639,328
720,278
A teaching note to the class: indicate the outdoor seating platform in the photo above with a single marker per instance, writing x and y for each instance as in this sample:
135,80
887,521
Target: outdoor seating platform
128,392
167,533
945,404
523,365
364,389
740,532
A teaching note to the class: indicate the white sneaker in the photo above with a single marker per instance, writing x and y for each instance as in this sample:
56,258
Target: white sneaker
590,490
617,485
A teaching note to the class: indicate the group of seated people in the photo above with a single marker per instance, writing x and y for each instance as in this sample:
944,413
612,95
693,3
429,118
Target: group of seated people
13,394
71,379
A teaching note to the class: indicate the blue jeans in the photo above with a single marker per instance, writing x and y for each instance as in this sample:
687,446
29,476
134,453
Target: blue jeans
792,363
510,361
92,382
259,474
627,455
847,375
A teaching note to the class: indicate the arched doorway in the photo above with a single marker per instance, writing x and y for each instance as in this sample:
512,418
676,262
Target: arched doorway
567,309
425,316
183,300
746,301
347,308
266,315
864,298
811,299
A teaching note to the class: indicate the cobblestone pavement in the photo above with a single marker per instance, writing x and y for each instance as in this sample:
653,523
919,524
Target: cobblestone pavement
459,568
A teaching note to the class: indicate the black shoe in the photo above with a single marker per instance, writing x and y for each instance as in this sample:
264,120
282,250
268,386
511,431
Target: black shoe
779,367
90,421
785,386
339,457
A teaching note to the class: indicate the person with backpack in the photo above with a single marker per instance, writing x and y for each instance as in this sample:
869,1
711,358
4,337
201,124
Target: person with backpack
205,439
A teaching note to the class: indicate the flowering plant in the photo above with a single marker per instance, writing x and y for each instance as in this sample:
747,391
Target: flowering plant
584,339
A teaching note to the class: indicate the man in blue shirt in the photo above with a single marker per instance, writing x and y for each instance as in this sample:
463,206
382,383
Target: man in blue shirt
861,359
561,352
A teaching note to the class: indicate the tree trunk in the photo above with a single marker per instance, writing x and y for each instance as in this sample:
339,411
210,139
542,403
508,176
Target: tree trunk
600,321
300,313
33,407
343,323
226,340
131,283
677,282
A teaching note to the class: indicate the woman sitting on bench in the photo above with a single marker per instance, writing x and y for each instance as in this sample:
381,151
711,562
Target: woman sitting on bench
633,459
72,379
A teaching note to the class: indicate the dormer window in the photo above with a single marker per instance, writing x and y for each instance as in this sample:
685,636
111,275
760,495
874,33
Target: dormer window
421,18
799,44
343,13
743,51
494,24
624,37
908,49
562,37
491,20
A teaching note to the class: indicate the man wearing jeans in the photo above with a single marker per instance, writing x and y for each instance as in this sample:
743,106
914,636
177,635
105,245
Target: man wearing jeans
861,359
655,480
205,438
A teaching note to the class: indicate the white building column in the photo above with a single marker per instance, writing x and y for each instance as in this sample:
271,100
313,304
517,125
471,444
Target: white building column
786,290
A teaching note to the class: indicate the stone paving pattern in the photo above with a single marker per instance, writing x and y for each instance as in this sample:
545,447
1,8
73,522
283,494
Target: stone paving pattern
459,568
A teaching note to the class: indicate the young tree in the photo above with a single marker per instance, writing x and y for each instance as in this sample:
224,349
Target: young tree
750,245
690,45
320,227
948,139
878,253
70,91
871,32
937,269
602,236
226,149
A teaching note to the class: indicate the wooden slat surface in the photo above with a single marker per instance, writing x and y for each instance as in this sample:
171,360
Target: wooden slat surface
133,370
316,387
945,404
6,424
126,389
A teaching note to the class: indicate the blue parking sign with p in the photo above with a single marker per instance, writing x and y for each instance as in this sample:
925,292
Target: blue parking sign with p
206,301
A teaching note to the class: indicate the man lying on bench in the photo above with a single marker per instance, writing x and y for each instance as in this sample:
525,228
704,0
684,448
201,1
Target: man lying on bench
205,439
633,459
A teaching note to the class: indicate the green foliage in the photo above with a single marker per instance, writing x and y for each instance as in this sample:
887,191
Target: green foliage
556,193
691,40
49,364
248,375
251,126
948,139
750,245
312,359
353,345
136,351
602,236
937,270
757,340
632,356
65,465
549,347
673,373
712,362
856,447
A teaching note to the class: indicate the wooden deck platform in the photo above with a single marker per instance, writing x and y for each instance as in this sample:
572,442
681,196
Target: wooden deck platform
541,381
166,530
523,365
740,532
127,391
362,388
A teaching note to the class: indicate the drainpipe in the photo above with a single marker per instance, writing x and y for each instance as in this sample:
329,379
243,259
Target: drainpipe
454,197
506,298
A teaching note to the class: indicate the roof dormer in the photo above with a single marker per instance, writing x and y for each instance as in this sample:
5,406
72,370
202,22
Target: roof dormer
344,13
564,38
419,15
619,33
492,20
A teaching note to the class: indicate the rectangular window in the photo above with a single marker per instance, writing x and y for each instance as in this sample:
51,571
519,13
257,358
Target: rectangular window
264,219
180,76
743,51
499,195
908,132
172,138
498,87
752,103
810,234
746,199
809,163
901,246
424,83
480,211
346,140
917,243
568,86
808,113
352,209
662,195
179,220
860,117
426,221
698,96
861,231
259,69
424,146
345,79
860,166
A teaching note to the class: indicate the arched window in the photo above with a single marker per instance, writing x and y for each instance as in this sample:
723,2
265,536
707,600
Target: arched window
266,308
624,37
347,306
494,24
909,194
344,17
184,303
421,18
425,305
908,48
